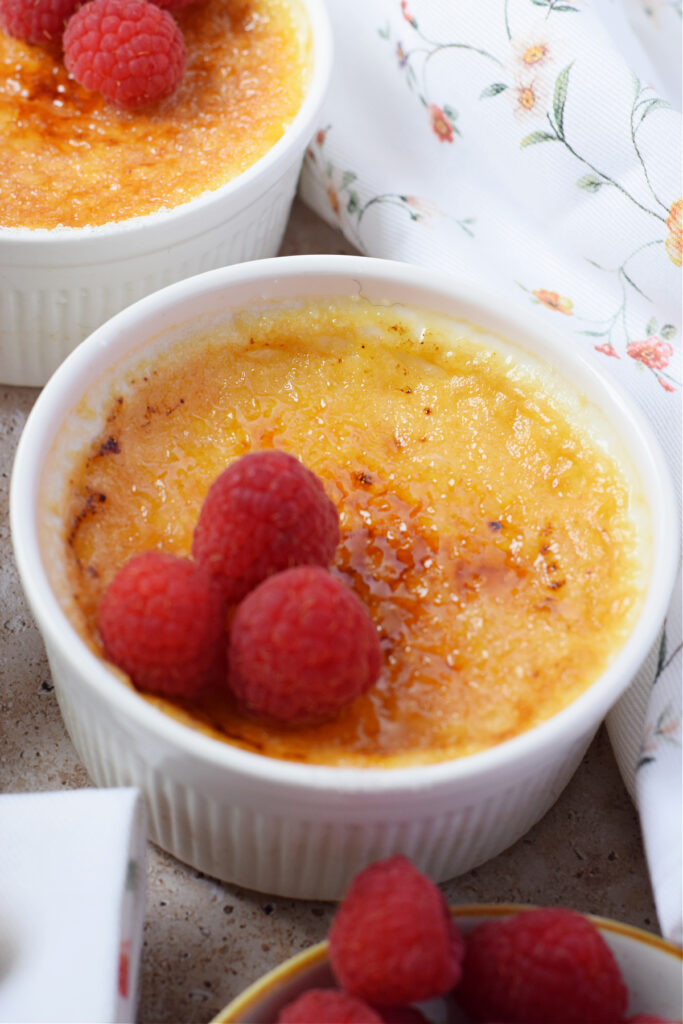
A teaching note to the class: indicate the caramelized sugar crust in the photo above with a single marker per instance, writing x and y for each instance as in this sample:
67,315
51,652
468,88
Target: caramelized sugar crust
491,540
70,158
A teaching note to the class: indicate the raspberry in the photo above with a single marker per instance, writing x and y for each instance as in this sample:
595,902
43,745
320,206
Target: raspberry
36,21
175,5
129,50
401,1015
302,645
327,1006
265,512
541,965
162,621
393,940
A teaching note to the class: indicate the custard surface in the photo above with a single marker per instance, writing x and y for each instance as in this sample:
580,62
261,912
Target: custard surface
493,543
69,158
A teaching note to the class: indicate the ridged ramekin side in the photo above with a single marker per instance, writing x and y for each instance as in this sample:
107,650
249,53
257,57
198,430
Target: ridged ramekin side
46,311
294,849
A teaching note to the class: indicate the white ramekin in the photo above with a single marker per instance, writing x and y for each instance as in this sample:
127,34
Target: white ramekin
57,286
285,828
650,966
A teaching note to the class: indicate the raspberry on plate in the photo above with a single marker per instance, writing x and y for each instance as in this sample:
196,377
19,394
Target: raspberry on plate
393,940
131,51
162,621
549,964
302,646
265,512
327,1006
37,21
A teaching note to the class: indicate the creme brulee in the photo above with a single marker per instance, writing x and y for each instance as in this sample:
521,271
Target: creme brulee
69,158
496,546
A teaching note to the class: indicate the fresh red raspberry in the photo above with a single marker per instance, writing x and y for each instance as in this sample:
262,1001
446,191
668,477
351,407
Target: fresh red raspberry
131,51
162,620
302,645
327,1006
265,512
393,940
36,21
402,1015
541,965
175,5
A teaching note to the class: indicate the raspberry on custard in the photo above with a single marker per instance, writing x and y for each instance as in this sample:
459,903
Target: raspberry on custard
327,1006
162,620
392,940
302,646
549,964
131,51
37,21
266,512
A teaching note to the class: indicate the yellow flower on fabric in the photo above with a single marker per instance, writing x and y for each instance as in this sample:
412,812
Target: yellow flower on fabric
674,242
535,54
554,301
526,97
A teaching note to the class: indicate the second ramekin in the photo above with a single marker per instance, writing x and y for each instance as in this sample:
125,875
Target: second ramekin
57,286
650,966
292,829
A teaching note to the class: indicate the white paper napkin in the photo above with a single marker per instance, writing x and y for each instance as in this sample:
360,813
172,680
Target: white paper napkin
535,145
72,893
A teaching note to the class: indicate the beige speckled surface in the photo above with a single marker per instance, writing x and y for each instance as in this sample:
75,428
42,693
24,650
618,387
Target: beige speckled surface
205,941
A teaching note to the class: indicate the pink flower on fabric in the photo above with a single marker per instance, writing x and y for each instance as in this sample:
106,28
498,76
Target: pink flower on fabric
441,126
665,384
407,15
607,350
653,352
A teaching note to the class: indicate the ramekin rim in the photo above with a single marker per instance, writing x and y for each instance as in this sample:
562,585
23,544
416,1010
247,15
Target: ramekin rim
294,139
303,776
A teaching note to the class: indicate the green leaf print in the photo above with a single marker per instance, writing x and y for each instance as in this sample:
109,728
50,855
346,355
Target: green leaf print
559,98
590,182
493,90
668,331
531,140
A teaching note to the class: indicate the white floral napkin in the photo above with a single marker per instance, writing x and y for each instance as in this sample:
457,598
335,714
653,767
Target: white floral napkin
535,145
72,892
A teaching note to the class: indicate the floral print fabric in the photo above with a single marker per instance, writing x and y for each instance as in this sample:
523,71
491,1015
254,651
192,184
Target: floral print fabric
534,145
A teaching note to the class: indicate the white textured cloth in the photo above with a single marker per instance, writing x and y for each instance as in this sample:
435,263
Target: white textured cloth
535,145
72,892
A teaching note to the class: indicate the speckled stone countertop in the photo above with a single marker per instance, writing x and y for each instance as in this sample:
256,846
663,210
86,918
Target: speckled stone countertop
205,941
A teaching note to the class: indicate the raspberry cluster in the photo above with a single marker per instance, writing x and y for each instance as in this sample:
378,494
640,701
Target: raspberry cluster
131,51
393,942
255,609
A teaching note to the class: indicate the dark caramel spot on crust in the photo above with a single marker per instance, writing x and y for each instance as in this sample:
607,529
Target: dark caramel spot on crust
109,447
90,505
